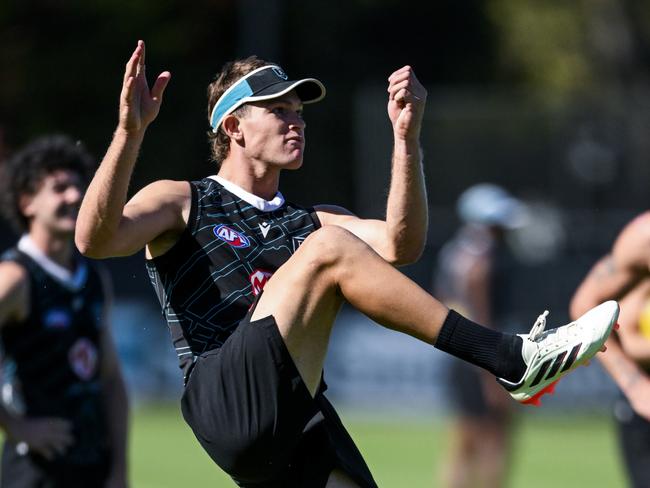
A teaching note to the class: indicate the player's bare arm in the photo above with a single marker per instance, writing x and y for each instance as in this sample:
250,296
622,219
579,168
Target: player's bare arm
400,239
617,273
613,277
104,228
115,397
47,436
116,403
14,292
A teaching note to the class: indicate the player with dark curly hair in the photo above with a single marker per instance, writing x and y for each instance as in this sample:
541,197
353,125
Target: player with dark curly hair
64,405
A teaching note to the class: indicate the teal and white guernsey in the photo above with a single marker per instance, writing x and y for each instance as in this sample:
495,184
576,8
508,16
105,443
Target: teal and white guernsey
233,243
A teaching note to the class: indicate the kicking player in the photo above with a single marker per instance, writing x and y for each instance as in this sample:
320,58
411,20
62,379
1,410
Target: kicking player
64,405
253,360
624,274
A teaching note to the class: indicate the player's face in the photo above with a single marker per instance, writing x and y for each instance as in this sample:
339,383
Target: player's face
55,205
274,131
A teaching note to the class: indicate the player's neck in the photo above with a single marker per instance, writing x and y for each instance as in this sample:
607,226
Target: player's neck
59,249
256,179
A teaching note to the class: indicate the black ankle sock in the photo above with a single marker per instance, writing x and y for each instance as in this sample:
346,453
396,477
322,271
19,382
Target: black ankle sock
498,353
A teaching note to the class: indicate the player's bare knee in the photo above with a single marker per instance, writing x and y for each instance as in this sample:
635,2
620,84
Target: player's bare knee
329,245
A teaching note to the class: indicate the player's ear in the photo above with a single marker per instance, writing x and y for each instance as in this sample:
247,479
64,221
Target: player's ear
230,125
25,204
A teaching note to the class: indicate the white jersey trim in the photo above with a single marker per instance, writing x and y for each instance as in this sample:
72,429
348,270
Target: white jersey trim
254,200
72,281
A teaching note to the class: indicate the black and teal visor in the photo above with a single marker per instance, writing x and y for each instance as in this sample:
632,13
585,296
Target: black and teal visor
263,83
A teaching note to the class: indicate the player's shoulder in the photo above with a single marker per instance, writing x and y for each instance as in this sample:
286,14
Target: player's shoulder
12,271
165,195
172,188
634,239
14,279
638,228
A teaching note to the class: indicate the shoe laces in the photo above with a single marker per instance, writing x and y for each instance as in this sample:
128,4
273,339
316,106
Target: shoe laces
538,327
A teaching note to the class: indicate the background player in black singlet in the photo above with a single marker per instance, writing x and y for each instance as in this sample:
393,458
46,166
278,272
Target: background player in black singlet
475,275
64,405
255,403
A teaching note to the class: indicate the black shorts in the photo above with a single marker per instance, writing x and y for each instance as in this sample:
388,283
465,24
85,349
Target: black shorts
634,440
25,471
250,410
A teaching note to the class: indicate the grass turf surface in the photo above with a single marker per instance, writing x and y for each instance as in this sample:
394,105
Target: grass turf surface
558,451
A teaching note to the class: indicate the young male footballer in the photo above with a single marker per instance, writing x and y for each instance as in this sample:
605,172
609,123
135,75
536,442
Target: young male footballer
251,283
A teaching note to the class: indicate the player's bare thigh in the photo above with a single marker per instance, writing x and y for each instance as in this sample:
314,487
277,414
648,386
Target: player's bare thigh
303,297
338,479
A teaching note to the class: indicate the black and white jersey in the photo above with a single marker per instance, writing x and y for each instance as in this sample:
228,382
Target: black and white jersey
51,359
233,243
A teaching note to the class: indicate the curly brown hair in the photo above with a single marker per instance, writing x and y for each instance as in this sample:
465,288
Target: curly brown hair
229,74
24,172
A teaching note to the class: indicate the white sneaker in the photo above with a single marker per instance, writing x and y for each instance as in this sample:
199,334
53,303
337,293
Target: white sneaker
552,354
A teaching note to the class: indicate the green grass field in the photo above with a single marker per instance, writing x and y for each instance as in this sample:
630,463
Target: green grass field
570,451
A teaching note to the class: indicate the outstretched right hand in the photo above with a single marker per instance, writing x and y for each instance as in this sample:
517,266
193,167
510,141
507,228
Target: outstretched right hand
139,106
47,436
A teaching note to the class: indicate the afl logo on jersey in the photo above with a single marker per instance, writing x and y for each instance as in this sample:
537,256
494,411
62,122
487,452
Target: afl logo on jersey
57,318
258,280
232,237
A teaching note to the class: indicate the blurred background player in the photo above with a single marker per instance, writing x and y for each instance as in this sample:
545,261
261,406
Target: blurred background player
64,404
624,274
474,276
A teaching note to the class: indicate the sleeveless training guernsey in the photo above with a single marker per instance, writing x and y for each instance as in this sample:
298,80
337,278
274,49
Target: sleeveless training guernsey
50,360
233,243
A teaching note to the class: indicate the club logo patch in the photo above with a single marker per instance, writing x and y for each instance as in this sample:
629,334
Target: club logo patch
280,72
232,237
258,280
83,358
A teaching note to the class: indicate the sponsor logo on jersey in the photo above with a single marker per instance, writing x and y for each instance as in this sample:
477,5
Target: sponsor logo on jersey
57,318
264,228
232,237
258,279
83,358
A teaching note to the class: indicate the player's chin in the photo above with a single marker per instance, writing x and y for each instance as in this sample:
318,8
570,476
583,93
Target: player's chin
294,163
65,227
